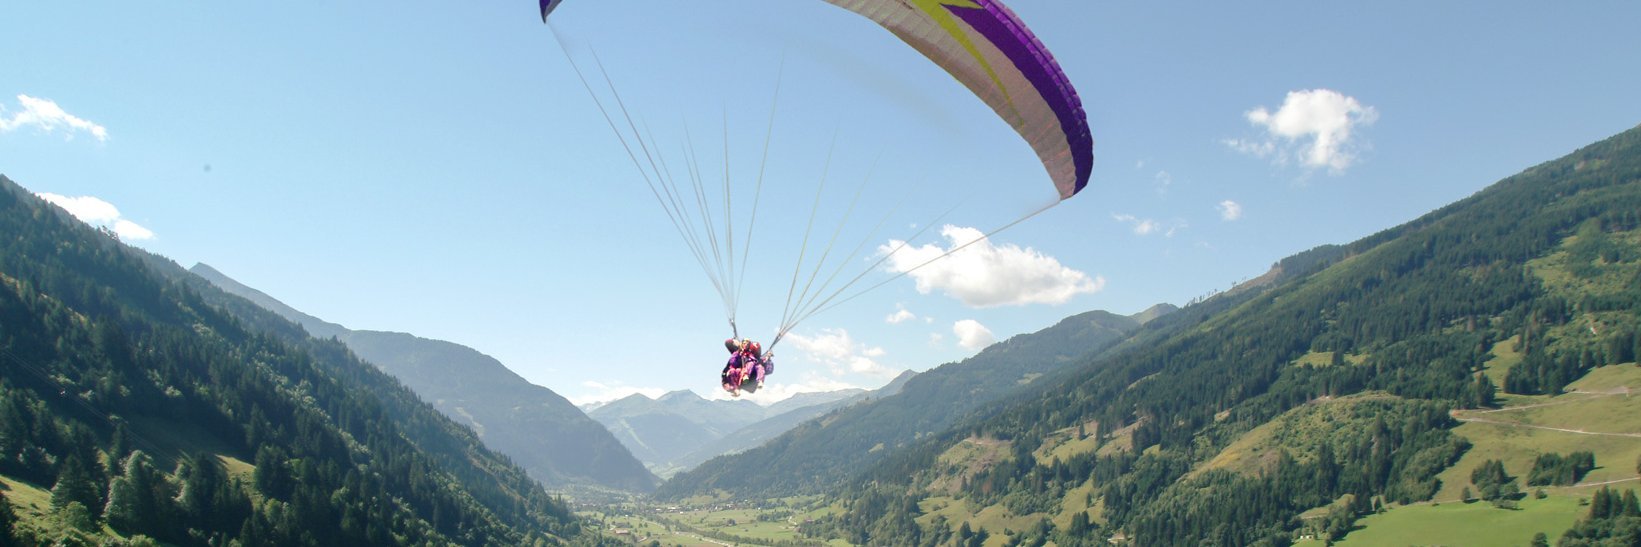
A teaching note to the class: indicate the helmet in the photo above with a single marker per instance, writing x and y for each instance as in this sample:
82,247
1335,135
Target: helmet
732,345
753,347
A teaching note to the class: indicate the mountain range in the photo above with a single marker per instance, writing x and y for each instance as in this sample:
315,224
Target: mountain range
680,429
542,431
820,453
1485,351
1353,383
539,429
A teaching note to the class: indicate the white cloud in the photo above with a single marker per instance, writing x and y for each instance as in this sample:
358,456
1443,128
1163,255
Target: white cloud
1230,210
972,335
1147,226
901,315
96,212
1141,226
45,115
89,209
598,392
936,339
1164,181
1313,126
128,230
840,353
1259,149
983,275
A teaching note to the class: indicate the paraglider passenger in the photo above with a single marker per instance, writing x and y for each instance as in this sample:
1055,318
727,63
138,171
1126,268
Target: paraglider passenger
746,367
753,355
734,370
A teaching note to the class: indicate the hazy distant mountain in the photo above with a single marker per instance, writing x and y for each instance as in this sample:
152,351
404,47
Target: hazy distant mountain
542,431
785,417
814,454
671,433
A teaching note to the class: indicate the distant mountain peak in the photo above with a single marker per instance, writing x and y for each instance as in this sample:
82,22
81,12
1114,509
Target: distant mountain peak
1154,312
683,394
315,326
636,397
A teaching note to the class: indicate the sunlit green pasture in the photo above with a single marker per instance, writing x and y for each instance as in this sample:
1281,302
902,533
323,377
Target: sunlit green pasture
1476,523
1598,418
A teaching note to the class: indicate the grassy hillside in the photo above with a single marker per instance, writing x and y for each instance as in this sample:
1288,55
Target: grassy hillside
1329,387
1597,414
1476,523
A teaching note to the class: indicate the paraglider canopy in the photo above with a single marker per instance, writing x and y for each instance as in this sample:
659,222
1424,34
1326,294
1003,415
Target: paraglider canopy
981,43
985,46
547,7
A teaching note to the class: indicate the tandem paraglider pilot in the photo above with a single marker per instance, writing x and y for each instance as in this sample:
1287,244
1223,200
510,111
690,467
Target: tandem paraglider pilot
746,368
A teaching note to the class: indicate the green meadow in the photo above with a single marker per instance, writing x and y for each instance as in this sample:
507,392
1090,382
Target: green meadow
1475,523
1596,414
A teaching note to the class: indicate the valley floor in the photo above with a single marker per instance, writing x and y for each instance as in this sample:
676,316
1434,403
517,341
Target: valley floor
715,523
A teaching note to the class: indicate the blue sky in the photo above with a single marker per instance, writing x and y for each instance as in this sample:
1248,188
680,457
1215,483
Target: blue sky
436,168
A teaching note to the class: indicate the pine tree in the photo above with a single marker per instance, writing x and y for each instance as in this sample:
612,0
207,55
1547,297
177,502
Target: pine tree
74,485
979,539
141,499
1079,524
119,447
1327,467
8,521
201,478
272,477
1601,504
127,506
1494,483
76,516
1483,391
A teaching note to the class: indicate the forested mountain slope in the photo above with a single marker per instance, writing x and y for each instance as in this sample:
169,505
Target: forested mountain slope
821,452
142,398
1379,339
539,429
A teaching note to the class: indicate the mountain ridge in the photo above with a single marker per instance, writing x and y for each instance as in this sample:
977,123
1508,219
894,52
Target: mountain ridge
106,340
1395,334
670,433
536,427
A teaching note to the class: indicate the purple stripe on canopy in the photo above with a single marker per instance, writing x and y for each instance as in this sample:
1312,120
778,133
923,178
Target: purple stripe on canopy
547,6
1005,31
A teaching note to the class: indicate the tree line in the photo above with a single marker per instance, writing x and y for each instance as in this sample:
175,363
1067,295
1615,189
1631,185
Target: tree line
105,345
